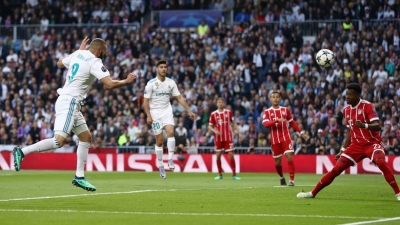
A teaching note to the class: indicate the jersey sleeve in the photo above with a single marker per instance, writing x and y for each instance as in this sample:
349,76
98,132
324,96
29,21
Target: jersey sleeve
98,70
212,119
174,90
289,116
148,91
265,116
67,60
345,117
232,118
371,113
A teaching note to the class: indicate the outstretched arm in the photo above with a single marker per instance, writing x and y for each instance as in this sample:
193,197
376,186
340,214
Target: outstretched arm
111,84
295,126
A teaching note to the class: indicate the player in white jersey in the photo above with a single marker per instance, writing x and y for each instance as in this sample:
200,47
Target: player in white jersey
83,67
158,108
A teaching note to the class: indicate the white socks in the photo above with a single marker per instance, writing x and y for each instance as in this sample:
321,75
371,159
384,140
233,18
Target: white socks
82,154
41,146
159,154
171,147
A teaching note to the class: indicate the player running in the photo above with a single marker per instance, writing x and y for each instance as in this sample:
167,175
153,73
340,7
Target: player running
84,66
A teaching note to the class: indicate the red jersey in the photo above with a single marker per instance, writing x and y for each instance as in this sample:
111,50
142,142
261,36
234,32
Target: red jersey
279,130
365,112
222,123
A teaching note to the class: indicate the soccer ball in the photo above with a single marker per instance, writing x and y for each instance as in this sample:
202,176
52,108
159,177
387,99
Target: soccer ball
325,57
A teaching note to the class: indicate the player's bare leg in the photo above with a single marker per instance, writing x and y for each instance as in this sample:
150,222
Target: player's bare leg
219,166
278,167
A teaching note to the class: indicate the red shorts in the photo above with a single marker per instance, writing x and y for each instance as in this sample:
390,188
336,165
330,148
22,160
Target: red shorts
224,145
281,148
356,152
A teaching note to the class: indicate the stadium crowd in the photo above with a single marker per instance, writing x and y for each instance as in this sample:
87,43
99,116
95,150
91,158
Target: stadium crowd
242,63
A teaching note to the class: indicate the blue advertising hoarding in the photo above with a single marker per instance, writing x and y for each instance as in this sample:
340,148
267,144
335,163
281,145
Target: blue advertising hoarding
188,18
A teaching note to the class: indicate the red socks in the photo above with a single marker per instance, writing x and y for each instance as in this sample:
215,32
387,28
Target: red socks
219,166
379,159
341,165
279,170
291,170
233,166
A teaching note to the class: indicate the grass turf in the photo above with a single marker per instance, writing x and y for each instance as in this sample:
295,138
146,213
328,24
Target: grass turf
48,197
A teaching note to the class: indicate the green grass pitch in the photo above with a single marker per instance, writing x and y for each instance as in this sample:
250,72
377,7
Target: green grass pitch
48,197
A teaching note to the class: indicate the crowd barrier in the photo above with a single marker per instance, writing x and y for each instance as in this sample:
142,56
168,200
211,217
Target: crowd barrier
308,28
199,163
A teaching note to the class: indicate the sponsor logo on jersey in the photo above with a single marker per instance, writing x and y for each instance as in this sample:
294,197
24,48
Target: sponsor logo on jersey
162,93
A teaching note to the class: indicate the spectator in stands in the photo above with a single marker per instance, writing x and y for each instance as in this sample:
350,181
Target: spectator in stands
111,131
181,135
202,29
242,17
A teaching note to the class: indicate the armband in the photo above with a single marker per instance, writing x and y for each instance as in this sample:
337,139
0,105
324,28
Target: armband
366,125
343,149
302,132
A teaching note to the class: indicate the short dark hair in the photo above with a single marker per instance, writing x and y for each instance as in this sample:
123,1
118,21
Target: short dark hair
275,92
354,86
97,43
161,62
221,99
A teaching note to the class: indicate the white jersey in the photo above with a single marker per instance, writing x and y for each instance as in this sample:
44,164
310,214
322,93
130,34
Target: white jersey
83,67
159,93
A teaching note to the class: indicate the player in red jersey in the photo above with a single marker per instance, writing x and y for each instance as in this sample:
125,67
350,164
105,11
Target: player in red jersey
362,141
220,123
278,119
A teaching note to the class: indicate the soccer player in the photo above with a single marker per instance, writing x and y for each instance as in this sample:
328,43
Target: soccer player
220,124
83,67
362,141
278,118
159,112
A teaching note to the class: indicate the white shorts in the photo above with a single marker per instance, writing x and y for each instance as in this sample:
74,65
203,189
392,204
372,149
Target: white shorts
68,117
160,120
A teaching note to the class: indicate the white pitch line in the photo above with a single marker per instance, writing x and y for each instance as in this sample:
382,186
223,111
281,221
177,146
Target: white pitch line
186,214
79,195
104,193
373,221
294,186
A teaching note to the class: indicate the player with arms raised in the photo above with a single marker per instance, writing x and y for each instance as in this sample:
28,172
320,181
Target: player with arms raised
84,66
278,118
362,141
220,124
158,109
